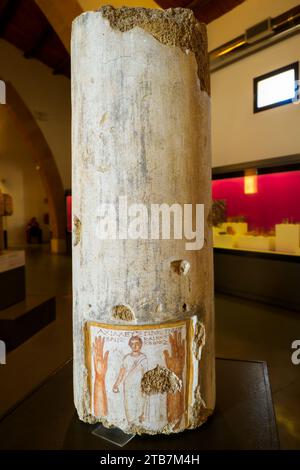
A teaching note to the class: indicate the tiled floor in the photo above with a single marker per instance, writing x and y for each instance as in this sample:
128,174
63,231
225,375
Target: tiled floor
244,330
29,364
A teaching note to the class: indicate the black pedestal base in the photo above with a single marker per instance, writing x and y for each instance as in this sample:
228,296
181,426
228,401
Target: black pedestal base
21,321
243,418
12,284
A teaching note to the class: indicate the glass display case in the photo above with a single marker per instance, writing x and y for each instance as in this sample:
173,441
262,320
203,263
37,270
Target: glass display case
258,212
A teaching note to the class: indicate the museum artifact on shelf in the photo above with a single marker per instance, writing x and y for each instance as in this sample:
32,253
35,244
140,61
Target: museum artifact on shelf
143,313
285,239
265,220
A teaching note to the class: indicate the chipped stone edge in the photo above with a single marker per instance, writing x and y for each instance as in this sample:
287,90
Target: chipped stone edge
77,227
139,430
200,51
199,339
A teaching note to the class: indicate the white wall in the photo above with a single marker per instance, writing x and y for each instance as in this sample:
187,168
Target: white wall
20,179
239,135
48,98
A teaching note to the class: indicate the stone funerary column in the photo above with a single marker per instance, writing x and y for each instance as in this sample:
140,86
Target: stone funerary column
143,303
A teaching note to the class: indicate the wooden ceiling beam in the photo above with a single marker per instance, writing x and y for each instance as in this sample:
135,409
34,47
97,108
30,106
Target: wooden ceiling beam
7,12
63,68
39,43
60,15
197,4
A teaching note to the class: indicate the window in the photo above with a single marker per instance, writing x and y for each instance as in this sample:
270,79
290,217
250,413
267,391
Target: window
276,88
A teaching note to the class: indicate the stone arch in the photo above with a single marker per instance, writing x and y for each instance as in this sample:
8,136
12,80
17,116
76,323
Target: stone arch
34,139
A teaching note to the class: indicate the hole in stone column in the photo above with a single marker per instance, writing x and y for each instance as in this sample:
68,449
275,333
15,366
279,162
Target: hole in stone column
160,380
123,312
180,267
159,308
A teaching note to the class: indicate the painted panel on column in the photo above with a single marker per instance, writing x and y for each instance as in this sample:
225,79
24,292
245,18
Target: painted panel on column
144,377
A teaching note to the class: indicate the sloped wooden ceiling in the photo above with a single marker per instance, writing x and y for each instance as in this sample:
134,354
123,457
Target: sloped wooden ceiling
23,24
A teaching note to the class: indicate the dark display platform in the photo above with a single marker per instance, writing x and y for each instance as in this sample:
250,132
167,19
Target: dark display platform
243,419
12,284
21,321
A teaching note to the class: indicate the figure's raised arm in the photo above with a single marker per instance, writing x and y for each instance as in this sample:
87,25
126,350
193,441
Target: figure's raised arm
100,367
100,359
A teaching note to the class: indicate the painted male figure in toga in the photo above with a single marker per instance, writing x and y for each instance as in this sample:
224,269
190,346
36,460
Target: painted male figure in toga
132,369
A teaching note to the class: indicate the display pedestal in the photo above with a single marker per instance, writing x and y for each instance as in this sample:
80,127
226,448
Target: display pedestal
12,278
243,418
21,321
20,316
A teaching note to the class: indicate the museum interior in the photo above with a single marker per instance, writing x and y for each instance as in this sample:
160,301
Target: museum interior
254,54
